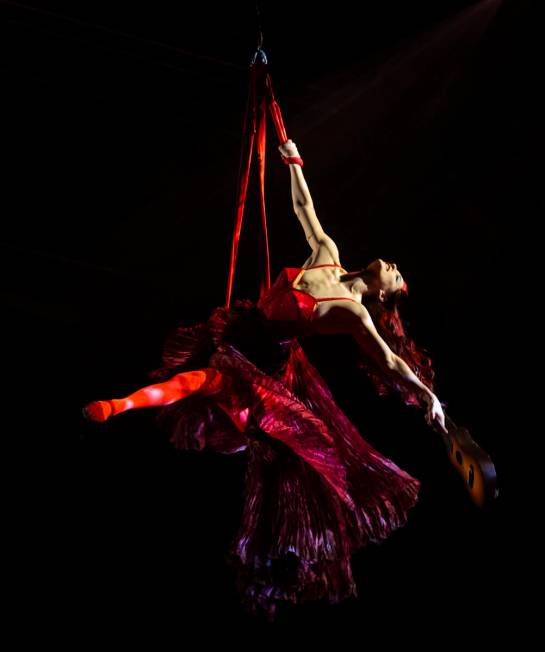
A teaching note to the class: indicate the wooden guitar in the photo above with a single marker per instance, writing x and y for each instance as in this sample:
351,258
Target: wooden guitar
471,461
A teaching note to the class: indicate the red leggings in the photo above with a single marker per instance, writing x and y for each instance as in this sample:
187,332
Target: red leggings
179,386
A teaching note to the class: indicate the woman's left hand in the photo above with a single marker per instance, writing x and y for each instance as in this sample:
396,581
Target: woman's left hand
434,413
289,149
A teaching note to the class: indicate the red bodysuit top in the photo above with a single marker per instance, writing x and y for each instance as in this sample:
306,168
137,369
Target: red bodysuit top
288,306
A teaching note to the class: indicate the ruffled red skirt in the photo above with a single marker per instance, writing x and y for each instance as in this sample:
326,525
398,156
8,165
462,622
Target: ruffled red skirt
315,490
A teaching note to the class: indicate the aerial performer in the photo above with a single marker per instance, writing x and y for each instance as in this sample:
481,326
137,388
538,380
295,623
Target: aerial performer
315,490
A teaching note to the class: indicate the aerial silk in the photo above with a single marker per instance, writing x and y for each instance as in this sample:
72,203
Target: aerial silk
260,97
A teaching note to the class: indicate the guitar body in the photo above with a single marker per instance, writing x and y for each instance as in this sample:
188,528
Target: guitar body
471,462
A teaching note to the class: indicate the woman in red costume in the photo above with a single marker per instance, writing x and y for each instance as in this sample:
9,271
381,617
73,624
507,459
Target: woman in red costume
315,490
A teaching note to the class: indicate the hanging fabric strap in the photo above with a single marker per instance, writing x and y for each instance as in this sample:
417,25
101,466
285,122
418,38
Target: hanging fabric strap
260,96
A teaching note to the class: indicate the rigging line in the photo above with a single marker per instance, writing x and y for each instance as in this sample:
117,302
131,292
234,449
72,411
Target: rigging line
41,79
135,56
134,37
71,261
123,52
189,71
259,30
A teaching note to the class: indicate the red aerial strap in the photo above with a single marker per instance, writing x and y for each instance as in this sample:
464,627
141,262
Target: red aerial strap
259,97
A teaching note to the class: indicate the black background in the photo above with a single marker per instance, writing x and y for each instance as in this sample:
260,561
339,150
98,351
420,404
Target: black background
121,145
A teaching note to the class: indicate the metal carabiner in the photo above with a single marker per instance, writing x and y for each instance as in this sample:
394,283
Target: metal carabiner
261,54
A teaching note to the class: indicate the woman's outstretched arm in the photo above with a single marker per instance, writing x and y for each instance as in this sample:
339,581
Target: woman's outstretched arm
303,205
368,338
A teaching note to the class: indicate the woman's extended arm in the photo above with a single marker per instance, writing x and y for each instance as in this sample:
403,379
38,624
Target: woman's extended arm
368,338
302,200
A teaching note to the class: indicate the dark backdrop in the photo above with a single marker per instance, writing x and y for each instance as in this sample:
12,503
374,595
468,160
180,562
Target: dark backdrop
121,145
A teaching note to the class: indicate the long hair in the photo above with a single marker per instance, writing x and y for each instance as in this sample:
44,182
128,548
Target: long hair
391,328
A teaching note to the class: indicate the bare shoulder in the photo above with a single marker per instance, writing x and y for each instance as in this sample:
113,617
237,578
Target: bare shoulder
325,252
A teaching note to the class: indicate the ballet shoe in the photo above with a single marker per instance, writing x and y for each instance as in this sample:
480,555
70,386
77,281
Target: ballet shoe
98,411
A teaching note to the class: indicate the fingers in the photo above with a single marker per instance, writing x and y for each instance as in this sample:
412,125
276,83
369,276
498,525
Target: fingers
289,145
435,419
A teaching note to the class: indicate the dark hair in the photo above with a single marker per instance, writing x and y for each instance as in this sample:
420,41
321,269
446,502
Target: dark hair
391,327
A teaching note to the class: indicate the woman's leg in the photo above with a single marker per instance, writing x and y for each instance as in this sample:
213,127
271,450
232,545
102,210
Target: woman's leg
179,386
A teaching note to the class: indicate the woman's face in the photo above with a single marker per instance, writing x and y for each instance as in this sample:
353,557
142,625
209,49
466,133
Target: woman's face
383,278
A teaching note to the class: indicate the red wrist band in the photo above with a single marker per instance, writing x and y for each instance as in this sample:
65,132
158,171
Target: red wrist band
292,159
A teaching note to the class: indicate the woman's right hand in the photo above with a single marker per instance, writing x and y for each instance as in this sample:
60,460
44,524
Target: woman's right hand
289,149
434,412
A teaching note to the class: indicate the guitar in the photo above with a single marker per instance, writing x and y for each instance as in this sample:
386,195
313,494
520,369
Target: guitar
471,461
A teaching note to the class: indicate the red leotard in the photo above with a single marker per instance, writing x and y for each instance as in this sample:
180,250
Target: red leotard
286,304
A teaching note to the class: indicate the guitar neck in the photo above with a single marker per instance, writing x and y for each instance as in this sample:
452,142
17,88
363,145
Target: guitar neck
449,423
451,427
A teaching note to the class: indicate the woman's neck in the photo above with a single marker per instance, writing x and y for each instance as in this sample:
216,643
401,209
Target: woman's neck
354,283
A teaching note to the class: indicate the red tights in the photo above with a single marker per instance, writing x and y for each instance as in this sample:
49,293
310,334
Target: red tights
179,386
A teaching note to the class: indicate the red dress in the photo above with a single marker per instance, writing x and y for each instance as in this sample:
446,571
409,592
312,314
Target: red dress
315,490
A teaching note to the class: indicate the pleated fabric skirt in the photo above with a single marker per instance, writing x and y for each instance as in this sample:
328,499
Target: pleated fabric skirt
315,490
